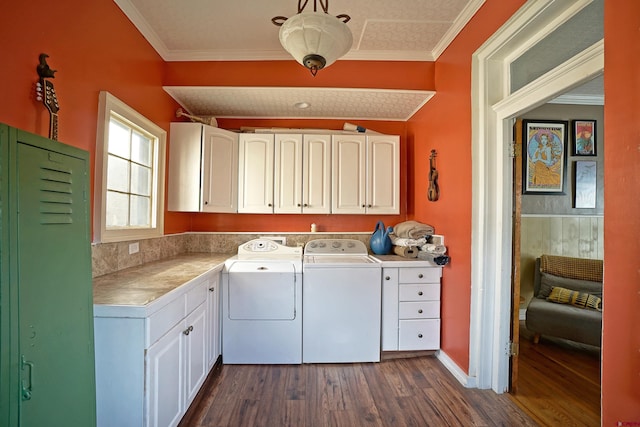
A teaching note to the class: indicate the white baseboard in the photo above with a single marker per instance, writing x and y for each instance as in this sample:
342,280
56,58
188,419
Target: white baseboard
458,373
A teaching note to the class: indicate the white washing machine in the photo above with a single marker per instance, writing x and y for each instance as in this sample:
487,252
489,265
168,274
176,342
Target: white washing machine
342,298
262,304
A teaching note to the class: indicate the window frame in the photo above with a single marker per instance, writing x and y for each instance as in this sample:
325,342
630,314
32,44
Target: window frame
109,104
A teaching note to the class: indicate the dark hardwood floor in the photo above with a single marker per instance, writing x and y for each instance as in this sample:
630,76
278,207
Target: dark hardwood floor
559,385
558,382
411,391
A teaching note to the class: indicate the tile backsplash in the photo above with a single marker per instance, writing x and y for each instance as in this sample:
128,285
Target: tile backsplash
111,257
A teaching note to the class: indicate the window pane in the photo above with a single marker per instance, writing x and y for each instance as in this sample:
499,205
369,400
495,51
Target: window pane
119,139
140,211
140,149
117,209
117,174
140,180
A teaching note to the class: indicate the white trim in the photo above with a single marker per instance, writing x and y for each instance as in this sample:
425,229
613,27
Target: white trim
579,99
491,237
456,371
108,104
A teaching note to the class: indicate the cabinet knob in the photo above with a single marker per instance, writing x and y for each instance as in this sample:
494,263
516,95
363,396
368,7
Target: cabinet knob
369,206
206,203
387,278
420,293
299,205
306,205
364,206
419,335
188,330
420,311
420,276
211,289
270,204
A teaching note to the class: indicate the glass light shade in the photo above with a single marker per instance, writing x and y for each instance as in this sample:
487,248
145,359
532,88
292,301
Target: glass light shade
316,36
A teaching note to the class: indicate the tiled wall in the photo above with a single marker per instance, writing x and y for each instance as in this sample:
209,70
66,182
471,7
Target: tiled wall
111,257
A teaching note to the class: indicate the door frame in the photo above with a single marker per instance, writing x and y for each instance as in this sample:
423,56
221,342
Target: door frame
493,107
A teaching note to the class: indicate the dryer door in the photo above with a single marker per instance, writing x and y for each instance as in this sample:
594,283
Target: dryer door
262,290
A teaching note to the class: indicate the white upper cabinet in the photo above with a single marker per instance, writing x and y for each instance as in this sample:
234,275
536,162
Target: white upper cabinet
288,173
302,173
366,174
255,174
316,177
203,169
285,173
383,174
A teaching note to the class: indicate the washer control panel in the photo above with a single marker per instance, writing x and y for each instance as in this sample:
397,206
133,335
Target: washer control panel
268,248
335,247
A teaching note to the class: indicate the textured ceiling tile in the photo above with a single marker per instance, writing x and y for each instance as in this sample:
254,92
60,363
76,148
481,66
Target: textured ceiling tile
417,36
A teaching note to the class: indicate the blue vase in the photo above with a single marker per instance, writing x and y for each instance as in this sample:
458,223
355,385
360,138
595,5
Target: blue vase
380,241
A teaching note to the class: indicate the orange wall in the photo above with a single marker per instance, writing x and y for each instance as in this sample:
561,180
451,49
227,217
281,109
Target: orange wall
94,47
621,314
444,124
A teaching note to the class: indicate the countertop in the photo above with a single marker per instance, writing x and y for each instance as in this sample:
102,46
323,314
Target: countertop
139,286
399,261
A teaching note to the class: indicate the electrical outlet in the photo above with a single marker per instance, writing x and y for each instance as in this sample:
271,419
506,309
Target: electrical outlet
134,248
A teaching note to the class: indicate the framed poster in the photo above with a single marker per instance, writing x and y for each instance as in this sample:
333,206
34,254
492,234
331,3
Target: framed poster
586,176
583,137
544,156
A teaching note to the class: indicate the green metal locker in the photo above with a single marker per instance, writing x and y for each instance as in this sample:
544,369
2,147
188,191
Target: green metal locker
46,308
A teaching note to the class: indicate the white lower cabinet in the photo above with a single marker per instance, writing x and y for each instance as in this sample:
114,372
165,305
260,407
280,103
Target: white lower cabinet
151,361
411,308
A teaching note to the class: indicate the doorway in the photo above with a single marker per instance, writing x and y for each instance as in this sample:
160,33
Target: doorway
493,107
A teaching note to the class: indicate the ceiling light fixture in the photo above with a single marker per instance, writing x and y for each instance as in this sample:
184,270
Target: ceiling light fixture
315,39
302,105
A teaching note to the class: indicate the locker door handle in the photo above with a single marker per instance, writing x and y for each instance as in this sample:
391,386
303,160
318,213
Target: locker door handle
27,389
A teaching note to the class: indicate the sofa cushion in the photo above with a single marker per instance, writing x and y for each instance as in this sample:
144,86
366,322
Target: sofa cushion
564,321
576,298
549,281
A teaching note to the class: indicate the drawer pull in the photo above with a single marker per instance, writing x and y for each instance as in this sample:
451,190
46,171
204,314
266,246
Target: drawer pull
420,276
420,311
212,289
188,330
387,278
420,293
419,335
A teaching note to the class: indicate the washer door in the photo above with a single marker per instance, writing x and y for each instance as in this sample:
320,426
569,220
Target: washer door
262,290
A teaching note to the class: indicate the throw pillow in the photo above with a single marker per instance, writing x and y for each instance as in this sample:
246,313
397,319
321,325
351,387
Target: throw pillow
549,281
575,298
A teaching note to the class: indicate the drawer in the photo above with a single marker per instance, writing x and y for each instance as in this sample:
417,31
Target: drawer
419,310
419,334
420,275
164,319
418,292
197,296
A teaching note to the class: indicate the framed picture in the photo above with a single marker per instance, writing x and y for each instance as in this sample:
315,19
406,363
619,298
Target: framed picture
544,156
583,138
586,176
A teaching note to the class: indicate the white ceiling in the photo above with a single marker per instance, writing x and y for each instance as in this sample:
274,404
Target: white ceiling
227,30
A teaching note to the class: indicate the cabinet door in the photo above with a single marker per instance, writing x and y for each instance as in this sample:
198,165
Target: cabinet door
185,165
288,173
383,174
165,379
213,318
219,170
348,174
389,309
255,175
316,174
195,336
51,250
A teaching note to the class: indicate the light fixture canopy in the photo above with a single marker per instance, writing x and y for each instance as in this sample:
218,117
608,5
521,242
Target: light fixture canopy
315,39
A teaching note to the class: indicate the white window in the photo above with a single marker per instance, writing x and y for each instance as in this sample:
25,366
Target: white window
130,170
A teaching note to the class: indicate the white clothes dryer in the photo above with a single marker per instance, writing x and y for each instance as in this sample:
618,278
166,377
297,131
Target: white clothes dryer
262,304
